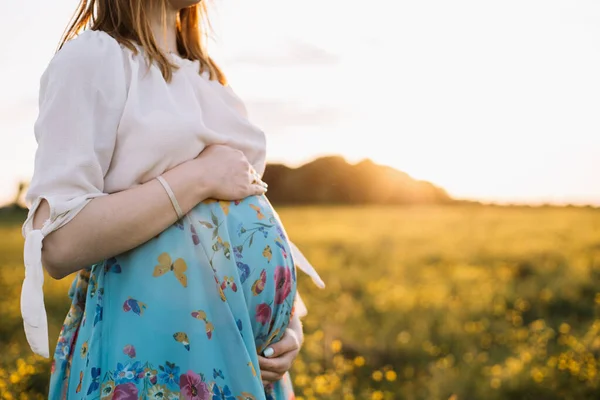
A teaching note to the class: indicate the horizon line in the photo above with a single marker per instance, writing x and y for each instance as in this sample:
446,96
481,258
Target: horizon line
484,201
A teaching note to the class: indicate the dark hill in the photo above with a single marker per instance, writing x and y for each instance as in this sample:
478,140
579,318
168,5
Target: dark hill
333,180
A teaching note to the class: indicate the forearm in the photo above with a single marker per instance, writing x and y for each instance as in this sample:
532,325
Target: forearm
112,224
296,326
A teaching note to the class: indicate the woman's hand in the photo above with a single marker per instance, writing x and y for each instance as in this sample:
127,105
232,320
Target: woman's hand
283,354
226,174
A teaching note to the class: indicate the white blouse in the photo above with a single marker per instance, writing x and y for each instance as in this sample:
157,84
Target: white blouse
107,123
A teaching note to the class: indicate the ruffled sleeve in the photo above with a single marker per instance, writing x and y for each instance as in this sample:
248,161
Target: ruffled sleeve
82,95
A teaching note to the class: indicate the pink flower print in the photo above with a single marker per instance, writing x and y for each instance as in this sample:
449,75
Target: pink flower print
126,391
283,284
129,350
263,313
192,387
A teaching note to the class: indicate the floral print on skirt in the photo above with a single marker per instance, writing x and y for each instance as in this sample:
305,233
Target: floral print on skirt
184,315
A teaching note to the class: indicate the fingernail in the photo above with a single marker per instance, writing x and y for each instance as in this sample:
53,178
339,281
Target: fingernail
268,352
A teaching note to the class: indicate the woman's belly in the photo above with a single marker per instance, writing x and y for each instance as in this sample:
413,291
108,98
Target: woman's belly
225,265
205,296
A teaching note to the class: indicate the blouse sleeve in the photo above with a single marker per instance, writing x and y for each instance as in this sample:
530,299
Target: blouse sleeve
82,95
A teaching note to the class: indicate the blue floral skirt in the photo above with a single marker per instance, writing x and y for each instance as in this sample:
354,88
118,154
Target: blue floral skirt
184,315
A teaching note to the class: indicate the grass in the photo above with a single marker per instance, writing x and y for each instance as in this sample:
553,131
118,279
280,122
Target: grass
431,302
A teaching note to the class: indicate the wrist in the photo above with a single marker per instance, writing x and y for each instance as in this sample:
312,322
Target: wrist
188,182
200,179
296,326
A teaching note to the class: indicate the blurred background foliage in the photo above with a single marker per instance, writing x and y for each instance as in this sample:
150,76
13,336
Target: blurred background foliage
422,302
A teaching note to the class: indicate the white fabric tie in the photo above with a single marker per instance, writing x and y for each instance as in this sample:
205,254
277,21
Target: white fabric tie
33,309
304,265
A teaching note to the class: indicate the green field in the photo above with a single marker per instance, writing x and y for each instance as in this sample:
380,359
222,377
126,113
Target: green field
461,302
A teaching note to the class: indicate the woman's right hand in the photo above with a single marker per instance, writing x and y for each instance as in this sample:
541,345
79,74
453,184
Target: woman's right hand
226,174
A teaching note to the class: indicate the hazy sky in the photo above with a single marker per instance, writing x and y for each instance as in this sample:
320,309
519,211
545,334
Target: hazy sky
492,100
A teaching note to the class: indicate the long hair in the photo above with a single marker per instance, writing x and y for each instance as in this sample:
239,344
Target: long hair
127,22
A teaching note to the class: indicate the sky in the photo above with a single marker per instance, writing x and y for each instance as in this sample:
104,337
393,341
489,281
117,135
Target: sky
495,101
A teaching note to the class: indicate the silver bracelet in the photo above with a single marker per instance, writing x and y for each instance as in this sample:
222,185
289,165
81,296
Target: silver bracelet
171,196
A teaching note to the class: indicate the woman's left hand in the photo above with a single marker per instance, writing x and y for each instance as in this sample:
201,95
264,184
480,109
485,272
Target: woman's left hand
273,368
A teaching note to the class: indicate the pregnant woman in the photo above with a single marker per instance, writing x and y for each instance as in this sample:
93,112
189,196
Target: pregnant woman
147,183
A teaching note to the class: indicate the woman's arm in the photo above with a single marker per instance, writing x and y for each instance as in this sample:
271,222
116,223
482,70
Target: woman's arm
296,326
112,224
109,225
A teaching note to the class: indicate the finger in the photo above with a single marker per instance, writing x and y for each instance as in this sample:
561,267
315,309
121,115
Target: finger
254,175
251,178
280,364
257,190
266,364
286,344
256,180
270,377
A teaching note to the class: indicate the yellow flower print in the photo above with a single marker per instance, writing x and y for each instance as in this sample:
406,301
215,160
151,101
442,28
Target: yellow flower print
84,349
